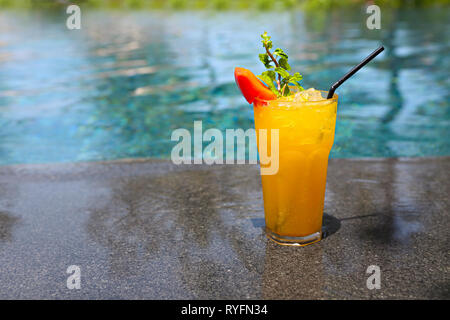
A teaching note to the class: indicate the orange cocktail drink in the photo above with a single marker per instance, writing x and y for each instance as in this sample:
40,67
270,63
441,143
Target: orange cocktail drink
302,124
294,195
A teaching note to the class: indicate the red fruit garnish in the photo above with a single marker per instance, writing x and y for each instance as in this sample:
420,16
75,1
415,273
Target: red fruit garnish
251,87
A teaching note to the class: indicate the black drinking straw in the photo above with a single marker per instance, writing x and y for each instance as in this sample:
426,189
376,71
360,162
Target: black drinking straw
353,71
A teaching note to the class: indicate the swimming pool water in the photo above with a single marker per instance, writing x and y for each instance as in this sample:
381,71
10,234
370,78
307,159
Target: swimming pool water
118,87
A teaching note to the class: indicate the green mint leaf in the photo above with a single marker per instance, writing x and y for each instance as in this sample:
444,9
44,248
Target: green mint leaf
264,57
279,74
271,74
268,77
287,91
294,80
267,43
282,72
296,77
285,82
280,53
284,86
265,36
284,63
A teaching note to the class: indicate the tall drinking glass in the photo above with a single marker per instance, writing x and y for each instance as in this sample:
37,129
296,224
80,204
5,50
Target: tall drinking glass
294,196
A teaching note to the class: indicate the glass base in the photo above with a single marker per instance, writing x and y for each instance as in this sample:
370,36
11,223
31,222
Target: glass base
294,241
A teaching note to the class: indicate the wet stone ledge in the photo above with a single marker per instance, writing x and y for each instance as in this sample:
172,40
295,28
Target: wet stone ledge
150,229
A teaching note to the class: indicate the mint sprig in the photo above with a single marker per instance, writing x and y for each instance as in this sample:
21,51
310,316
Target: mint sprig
277,70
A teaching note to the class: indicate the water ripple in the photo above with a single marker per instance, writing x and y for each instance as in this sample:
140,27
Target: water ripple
120,85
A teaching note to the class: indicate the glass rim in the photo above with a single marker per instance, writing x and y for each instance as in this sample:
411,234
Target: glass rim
323,92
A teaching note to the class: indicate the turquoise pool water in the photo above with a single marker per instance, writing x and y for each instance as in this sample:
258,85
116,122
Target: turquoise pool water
120,85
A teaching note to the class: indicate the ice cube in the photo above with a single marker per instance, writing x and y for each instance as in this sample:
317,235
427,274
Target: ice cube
308,95
301,96
315,95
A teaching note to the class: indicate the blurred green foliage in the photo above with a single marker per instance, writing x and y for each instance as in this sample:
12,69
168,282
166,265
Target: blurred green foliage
218,4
